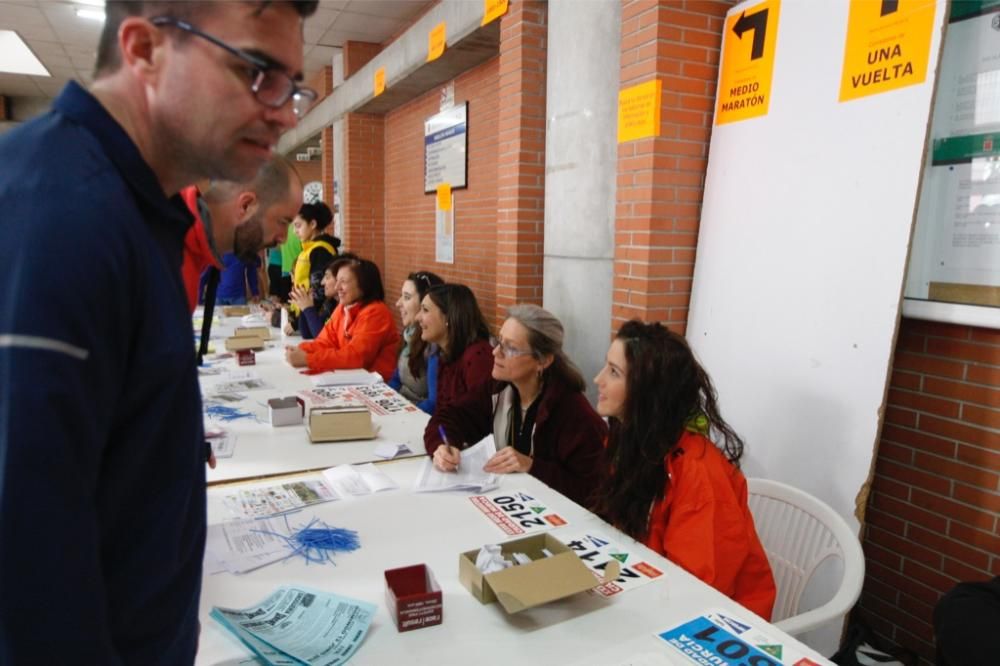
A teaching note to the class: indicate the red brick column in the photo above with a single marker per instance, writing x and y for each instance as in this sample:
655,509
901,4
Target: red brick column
661,179
521,155
363,196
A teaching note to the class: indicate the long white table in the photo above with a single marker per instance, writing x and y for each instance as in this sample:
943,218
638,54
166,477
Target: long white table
262,450
399,528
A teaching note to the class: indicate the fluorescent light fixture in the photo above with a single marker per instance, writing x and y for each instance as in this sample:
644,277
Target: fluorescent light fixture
92,3
17,58
92,14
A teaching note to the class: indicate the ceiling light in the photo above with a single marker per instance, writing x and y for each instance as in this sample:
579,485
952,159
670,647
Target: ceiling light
17,58
92,3
93,14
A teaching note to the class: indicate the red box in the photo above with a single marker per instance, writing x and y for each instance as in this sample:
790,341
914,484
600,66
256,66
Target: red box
246,357
413,597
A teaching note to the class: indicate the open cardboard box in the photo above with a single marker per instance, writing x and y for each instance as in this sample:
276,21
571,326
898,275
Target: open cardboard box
340,423
262,332
413,597
525,586
235,310
236,343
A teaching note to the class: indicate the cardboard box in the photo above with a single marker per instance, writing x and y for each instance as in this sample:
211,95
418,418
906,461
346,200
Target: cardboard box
235,310
262,332
285,411
525,586
246,357
340,423
413,597
235,343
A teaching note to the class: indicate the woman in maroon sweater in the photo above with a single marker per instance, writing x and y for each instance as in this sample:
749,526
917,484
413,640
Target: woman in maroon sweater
450,319
535,409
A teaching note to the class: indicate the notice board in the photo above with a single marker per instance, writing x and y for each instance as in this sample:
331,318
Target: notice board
805,227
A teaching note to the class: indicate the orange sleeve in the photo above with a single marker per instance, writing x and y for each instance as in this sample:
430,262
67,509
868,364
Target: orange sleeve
327,338
333,350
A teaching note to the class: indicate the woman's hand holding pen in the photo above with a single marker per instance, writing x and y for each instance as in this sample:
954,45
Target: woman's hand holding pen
446,456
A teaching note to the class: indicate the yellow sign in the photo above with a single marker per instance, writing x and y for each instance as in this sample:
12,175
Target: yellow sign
639,111
379,81
747,63
493,9
436,42
888,45
444,196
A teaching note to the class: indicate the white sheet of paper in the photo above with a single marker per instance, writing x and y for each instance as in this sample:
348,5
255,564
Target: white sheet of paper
358,479
391,449
244,545
469,476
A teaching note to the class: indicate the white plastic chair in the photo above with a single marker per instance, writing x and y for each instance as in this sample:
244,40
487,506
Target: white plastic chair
799,533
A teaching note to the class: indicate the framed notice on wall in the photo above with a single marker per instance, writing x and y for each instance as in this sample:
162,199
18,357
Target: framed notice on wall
446,149
954,271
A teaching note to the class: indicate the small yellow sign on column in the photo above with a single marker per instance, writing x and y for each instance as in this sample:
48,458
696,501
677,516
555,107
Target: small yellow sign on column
436,41
888,46
748,44
379,81
493,9
444,196
639,111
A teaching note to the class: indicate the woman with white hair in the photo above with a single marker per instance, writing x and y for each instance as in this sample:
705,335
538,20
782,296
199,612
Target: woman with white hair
534,407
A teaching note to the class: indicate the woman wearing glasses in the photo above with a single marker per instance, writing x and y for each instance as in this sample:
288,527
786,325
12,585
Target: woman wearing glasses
670,486
536,410
450,319
416,369
360,333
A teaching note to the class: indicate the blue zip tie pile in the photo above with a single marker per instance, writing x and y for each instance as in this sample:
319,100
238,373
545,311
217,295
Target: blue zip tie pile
317,541
227,413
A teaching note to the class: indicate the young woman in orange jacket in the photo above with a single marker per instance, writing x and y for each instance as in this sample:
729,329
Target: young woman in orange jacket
670,486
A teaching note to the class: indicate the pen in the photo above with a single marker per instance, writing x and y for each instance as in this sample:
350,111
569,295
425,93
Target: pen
444,437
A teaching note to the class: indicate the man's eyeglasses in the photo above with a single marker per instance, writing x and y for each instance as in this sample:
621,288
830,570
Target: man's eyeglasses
270,85
510,352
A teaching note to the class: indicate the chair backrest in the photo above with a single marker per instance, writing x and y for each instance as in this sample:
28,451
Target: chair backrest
800,533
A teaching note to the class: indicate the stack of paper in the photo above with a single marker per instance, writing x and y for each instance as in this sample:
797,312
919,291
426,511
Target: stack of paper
300,626
468,476
345,377
243,545
258,502
358,479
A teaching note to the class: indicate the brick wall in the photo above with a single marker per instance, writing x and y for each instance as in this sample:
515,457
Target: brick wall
310,171
934,515
409,213
661,179
521,155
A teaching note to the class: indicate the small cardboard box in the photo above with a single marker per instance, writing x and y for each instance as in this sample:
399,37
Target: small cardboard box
236,343
525,586
235,310
413,597
262,332
246,357
285,411
340,423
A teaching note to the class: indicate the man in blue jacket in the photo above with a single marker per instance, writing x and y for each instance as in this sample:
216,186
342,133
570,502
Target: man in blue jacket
102,482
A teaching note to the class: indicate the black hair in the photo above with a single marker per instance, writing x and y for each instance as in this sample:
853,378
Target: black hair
319,213
367,273
116,11
667,391
423,281
466,323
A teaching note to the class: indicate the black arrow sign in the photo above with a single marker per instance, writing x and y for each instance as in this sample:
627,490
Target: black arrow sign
889,7
756,22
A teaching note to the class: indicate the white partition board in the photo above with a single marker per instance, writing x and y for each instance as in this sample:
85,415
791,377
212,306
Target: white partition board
801,258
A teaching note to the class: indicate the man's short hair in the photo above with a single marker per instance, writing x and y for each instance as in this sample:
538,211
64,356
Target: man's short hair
272,184
116,11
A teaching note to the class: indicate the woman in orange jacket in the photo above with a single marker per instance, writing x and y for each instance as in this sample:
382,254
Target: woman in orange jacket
670,486
360,333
